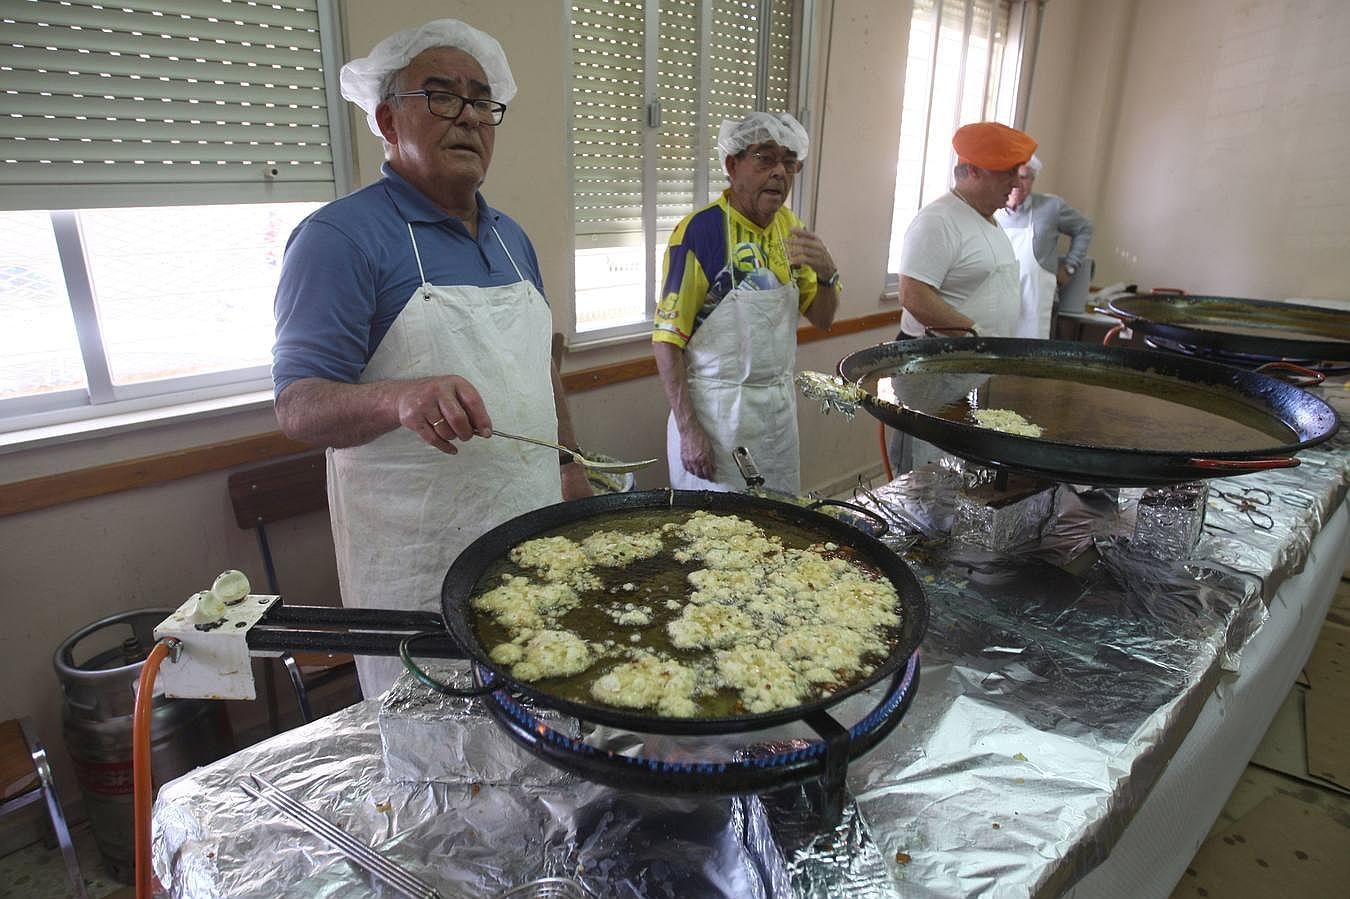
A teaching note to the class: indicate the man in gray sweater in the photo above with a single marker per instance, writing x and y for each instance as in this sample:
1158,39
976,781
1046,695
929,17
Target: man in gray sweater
1033,223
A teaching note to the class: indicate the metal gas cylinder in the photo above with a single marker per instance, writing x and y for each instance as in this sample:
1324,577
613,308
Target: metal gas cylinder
99,667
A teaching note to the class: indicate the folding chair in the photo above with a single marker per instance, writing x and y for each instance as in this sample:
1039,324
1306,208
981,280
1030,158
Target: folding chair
25,777
271,493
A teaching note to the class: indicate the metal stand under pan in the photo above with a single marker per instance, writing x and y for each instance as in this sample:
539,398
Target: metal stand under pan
820,764
757,767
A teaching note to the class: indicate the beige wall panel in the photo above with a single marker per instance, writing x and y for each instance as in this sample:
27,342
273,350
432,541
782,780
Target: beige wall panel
1221,176
1052,87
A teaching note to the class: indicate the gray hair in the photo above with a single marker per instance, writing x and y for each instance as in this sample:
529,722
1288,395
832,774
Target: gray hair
388,86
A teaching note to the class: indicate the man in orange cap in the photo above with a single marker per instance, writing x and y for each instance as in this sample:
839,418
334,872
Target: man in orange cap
958,271
957,267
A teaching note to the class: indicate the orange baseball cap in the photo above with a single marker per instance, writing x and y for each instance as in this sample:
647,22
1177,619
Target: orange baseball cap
992,146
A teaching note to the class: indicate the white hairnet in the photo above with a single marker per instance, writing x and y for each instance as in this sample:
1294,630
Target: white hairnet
362,79
761,128
1034,165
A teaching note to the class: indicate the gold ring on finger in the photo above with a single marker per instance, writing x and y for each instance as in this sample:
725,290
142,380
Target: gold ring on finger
437,423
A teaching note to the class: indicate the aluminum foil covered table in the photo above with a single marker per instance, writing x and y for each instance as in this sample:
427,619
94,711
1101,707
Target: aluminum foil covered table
1049,704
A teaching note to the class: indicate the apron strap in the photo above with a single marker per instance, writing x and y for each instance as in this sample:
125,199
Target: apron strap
508,252
426,288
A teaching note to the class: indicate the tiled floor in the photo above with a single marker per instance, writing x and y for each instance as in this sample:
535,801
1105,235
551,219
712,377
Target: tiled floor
1283,832
36,872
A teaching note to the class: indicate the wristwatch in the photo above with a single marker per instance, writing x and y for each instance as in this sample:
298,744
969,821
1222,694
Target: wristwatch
832,281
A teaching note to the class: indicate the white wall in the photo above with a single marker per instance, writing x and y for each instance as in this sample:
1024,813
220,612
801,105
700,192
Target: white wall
1220,145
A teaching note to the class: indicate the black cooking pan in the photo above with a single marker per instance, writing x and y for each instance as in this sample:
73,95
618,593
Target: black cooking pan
1236,326
480,556
1111,416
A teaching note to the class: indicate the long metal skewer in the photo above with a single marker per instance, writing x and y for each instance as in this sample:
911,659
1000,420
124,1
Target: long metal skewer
356,852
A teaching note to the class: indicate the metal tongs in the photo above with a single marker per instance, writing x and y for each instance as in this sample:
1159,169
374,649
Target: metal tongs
571,455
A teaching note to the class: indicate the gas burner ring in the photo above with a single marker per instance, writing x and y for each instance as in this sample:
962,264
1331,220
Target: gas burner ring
824,760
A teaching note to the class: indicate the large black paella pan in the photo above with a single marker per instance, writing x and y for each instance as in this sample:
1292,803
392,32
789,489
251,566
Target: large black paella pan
481,564
1109,415
1235,327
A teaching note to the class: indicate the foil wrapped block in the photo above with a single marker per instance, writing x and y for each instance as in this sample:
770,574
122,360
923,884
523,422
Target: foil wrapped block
808,859
428,737
1168,520
1000,518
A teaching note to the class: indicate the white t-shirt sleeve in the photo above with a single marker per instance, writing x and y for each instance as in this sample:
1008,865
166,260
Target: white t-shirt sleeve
930,250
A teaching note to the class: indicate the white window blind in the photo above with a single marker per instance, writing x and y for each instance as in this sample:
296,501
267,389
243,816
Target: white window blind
153,102
652,81
739,37
608,99
962,66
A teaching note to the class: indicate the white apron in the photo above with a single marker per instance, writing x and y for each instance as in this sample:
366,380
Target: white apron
402,510
1037,285
739,365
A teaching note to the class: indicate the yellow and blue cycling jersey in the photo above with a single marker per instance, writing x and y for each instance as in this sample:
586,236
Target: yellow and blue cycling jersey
699,271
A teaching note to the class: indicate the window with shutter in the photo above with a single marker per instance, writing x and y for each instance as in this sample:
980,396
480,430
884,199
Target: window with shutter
652,81
961,67
154,157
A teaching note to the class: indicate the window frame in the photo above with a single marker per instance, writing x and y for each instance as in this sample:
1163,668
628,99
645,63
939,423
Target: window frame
1013,61
82,409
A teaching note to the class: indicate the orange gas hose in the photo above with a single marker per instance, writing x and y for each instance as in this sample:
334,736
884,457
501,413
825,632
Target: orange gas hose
885,456
142,788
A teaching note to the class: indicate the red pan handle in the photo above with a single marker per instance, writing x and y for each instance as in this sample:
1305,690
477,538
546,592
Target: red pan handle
1237,466
1176,290
1302,377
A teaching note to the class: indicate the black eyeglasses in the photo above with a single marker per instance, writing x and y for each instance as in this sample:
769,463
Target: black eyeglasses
766,161
446,105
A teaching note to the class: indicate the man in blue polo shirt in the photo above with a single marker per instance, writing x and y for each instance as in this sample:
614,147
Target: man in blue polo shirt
411,319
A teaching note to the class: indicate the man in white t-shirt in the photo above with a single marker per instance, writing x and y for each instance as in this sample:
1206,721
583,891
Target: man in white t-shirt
958,272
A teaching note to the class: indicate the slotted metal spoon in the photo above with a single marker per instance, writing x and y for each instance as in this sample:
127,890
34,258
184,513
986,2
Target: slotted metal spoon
573,455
